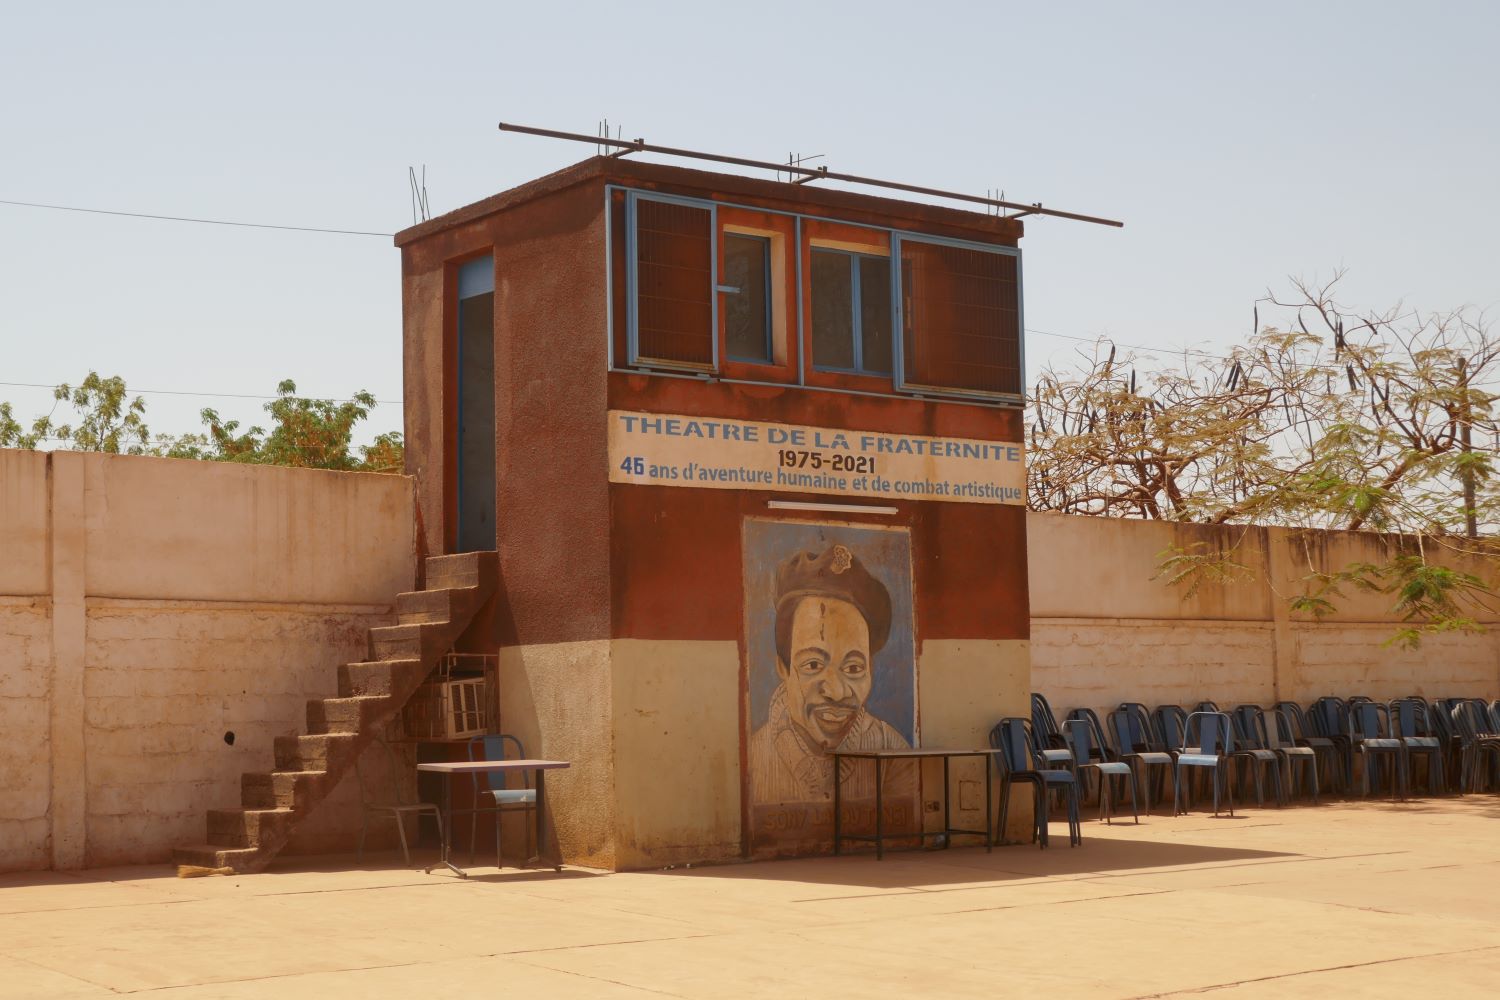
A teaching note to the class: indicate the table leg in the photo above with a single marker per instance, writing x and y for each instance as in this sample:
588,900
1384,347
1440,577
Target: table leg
947,812
445,842
838,788
541,819
989,822
879,815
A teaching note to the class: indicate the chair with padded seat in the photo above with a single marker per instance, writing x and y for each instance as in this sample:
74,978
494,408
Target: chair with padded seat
1208,743
1080,737
494,787
1131,726
396,807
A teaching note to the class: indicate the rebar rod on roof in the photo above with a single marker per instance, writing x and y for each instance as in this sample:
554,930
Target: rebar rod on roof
808,173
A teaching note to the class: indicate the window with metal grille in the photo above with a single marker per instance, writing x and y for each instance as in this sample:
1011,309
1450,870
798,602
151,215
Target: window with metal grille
961,319
674,288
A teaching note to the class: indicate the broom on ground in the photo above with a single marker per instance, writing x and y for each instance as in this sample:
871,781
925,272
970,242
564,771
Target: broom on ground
198,871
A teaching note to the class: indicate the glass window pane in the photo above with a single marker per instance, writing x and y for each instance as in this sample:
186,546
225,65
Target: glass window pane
747,312
875,314
674,283
832,310
961,318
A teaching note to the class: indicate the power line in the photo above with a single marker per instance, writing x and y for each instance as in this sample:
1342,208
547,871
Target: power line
187,392
1134,347
183,218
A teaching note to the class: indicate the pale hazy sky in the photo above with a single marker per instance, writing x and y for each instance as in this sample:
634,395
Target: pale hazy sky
1240,145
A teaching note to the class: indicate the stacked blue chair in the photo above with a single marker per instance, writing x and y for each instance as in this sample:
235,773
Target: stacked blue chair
1131,725
1410,723
1299,731
1209,744
1046,738
1017,762
1278,737
1253,748
1330,719
1080,736
1372,738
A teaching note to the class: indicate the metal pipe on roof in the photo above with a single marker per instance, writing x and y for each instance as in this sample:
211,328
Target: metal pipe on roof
625,146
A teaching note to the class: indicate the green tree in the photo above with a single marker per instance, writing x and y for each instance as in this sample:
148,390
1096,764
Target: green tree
106,419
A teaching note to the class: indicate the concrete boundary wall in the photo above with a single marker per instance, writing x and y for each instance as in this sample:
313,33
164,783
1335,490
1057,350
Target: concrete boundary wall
150,608
1103,632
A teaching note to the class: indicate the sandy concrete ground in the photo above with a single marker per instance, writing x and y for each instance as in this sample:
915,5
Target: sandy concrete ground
1367,899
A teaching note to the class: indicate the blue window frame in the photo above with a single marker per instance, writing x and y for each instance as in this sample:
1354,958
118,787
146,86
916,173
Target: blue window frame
851,312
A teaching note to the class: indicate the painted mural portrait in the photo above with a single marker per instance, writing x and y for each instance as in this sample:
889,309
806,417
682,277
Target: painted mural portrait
831,663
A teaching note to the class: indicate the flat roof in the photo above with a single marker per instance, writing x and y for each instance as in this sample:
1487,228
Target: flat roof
809,199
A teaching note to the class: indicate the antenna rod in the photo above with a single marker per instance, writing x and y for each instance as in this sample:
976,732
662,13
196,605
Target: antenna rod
808,173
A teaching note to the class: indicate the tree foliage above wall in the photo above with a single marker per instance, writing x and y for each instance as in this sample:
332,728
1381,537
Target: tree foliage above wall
1325,417
99,415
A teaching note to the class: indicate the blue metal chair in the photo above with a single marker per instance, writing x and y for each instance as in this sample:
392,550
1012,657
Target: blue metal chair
1208,743
1410,724
1018,762
1481,750
1371,736
1278,738
1080,736
1330,719
1169,723
1099,744
495,788
1131,726
1253,749
1299,731
1046,737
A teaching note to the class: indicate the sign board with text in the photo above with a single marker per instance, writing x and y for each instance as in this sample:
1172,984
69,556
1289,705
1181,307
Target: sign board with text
664,449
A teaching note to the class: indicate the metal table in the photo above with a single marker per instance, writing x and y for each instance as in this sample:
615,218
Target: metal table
451,768
880,757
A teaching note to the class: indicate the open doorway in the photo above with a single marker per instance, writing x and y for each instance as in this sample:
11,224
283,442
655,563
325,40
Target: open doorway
476,405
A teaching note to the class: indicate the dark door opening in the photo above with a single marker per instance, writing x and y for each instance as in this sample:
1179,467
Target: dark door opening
476,405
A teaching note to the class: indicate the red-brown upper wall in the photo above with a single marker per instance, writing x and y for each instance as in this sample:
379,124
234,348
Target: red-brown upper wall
806,198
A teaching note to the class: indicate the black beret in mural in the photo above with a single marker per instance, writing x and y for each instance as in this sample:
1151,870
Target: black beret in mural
835,572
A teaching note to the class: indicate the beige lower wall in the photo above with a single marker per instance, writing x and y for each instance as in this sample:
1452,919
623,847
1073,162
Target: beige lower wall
557,699
676,751
25,751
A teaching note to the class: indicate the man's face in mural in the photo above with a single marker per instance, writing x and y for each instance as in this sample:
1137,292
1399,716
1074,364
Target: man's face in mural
828,678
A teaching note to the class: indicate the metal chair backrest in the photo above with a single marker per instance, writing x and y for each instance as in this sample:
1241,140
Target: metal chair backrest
1131,727
1440,717
1210,733
1369,720
1409,718
1097,734
1279,730
1250,727
1080,737
1170,725
1468,721
1012,738
1298,728
1330,716
492,747
1206,706
1043,723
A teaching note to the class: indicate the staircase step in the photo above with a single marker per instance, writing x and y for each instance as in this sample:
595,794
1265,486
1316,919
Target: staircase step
282,789
312,752
409,642
462,569
247,827
419,606
345,715
375,678
212,856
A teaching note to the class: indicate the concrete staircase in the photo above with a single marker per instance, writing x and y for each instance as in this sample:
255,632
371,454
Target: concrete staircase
372,692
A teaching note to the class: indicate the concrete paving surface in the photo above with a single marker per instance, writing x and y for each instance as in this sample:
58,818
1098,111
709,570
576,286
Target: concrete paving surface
1366,899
